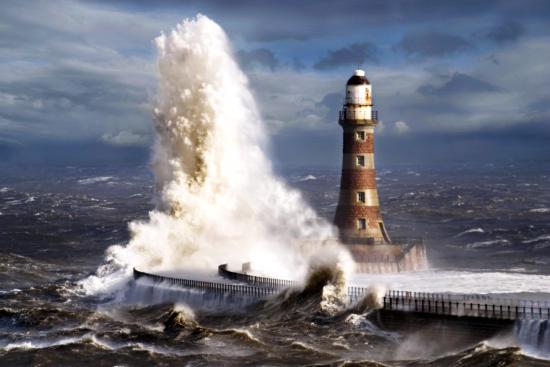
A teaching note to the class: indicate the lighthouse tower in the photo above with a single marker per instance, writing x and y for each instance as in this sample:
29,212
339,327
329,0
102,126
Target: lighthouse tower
358,213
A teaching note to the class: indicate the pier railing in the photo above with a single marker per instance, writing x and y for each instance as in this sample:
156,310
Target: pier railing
254,280
471,305
248,290
448,304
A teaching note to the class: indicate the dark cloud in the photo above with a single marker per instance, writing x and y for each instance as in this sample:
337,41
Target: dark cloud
457,84
258,58
506,32
423,44
300,20
64,79
354,54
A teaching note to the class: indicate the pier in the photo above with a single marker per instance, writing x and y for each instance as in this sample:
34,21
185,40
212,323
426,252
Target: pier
468,306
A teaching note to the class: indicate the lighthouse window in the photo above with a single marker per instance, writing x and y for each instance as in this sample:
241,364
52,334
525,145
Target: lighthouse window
361,160
361,197
360,135
362,223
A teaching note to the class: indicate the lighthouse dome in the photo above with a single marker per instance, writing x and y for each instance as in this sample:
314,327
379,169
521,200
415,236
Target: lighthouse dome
358,78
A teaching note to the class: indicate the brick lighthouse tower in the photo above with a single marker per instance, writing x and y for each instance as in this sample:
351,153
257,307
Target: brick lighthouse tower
358,212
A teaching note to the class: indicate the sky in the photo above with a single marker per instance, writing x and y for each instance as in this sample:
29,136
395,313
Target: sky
453,81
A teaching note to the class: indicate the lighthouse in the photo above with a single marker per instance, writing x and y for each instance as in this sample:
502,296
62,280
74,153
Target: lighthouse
360,225
358,212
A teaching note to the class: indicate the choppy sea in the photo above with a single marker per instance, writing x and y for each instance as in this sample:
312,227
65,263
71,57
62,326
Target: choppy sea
487,230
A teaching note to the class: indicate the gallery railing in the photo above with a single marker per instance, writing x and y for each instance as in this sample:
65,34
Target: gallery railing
358,115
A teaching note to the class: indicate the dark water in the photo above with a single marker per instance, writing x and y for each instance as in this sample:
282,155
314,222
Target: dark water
56,223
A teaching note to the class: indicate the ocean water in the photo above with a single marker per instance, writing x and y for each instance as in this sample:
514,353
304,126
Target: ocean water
487,230
69,237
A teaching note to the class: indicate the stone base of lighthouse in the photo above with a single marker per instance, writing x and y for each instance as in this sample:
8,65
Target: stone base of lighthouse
410,255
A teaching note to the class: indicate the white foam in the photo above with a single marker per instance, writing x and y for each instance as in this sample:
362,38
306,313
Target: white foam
306,178
488,243
43,343
92,180
471,230
540,210
457,282
538,239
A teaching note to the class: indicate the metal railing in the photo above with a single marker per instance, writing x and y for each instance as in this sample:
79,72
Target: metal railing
251,291
359,115
254,280
467,305
471,305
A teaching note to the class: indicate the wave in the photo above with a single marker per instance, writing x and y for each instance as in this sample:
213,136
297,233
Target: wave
306,178
537,239
43,343
540,210
92,180
471,230
491,243
208,158
243,335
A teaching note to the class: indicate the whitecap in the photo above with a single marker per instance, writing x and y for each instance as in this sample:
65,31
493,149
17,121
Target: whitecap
538,239
306,178
91,180
466,282
487,243
540,210
471,230
41,344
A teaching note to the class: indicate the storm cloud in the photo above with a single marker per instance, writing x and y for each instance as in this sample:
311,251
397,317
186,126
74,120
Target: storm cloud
464,71
506,32
431,43
457,84
353,55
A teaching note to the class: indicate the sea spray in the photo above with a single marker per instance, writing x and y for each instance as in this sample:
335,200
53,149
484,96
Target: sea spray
217,199
324,288
371,300
332,272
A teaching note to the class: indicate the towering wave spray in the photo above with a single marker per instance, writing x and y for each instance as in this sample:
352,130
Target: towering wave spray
217,199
